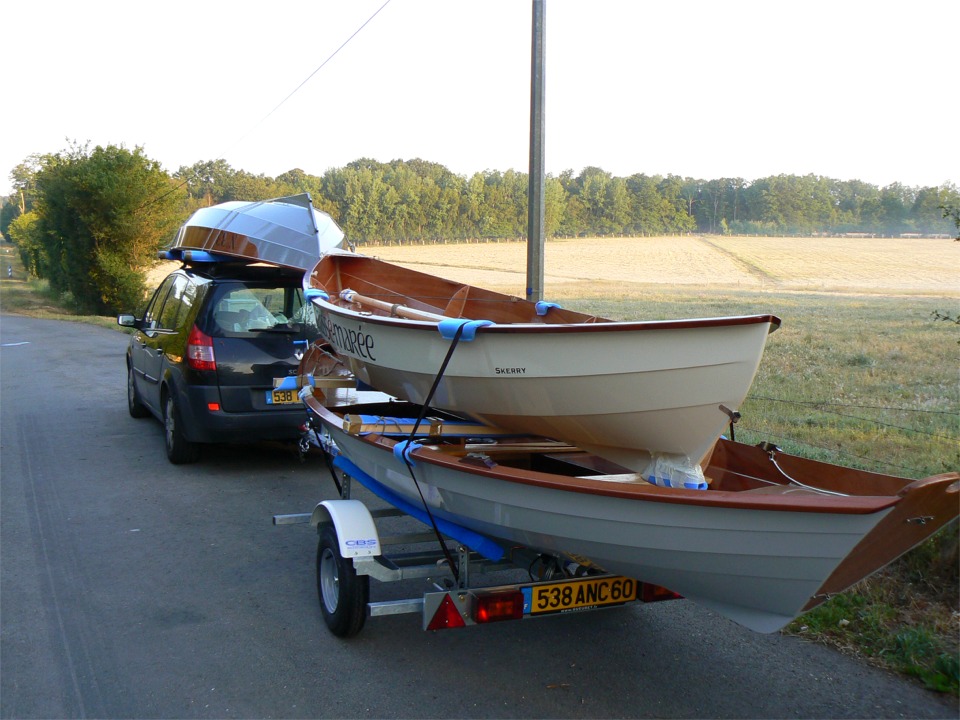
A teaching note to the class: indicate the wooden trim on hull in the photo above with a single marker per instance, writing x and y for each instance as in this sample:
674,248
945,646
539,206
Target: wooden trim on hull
925,507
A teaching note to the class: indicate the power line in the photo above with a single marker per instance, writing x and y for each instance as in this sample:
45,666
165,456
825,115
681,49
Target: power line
310,76
278,106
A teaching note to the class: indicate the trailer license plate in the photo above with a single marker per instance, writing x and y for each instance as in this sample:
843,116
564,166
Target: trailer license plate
583,594
282,397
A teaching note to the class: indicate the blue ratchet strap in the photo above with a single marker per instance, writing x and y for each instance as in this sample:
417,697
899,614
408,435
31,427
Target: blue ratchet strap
448,328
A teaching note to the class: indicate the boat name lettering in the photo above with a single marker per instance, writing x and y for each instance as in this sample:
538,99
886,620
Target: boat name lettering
355,342
511,371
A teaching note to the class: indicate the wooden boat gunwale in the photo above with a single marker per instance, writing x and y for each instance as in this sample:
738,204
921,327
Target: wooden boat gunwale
557,320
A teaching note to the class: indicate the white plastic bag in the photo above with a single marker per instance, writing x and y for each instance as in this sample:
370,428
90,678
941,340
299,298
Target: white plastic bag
674,471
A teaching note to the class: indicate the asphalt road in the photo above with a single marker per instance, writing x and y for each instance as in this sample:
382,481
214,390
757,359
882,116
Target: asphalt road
131,588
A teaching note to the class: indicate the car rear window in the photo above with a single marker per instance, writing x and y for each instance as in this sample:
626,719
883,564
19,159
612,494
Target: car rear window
243,308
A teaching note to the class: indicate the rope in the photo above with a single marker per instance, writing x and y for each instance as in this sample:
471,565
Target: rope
423,413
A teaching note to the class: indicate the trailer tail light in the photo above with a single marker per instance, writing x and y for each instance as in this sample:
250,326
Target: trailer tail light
655,593
446,616
200,350
493,607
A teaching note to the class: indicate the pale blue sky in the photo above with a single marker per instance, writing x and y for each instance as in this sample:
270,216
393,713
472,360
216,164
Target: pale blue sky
848,88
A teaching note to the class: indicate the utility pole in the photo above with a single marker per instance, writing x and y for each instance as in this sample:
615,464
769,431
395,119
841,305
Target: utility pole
535,197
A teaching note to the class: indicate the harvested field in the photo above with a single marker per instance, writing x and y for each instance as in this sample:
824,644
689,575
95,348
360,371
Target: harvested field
833,265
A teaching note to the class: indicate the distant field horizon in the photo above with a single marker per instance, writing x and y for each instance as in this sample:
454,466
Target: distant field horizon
588,266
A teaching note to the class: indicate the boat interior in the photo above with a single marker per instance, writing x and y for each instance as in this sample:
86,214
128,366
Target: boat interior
387,290
729,466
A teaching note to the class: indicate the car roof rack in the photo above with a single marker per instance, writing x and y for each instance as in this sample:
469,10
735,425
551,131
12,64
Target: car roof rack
197,257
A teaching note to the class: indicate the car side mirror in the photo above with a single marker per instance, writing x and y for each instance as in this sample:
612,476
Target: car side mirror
127,321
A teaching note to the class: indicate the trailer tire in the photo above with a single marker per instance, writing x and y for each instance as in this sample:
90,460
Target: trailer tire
342,593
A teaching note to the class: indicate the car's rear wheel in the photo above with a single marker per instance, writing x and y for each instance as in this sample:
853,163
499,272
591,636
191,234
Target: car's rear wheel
179,449
137,409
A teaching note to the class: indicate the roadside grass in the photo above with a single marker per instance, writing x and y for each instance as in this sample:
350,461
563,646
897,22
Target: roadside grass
868,381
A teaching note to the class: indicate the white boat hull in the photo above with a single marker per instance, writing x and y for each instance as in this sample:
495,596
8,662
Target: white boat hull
757,567
620,390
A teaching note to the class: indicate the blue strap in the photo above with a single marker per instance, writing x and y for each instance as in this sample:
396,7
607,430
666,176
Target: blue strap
290,383
448,328
402,450
311,293
543,307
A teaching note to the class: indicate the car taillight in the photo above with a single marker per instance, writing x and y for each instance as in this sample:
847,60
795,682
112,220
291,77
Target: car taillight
200,350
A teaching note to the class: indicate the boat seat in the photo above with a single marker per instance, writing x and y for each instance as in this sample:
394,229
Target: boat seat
622,478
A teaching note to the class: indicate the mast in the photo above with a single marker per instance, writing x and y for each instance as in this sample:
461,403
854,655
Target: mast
535,187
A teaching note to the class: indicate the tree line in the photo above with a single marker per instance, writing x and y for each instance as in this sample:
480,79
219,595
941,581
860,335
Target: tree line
416,200
89,220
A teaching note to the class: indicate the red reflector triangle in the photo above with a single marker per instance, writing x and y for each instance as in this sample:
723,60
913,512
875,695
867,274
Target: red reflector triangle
446,616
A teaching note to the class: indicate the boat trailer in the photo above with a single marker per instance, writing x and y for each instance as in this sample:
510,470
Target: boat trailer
351,551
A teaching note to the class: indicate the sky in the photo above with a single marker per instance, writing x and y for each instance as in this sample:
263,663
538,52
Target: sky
708,89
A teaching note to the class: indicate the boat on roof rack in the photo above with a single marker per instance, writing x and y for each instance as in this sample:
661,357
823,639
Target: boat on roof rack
285,231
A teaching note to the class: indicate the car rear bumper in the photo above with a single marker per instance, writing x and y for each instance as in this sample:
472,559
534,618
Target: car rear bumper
201,424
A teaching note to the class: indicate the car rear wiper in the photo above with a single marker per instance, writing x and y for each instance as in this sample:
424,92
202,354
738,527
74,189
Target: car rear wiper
276,329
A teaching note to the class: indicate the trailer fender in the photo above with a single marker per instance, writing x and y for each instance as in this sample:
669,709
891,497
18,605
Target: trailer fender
354,524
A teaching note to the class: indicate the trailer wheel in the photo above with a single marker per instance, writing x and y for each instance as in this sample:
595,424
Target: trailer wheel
343,594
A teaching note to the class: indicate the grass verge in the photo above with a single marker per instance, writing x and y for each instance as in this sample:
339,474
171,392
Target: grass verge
22,295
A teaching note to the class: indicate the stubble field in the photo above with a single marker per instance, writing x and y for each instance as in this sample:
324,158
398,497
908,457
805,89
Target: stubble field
573,266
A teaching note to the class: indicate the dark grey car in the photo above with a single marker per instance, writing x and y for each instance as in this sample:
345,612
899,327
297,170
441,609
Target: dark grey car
207,350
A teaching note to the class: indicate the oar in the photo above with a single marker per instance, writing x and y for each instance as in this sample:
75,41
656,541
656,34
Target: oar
504,448
393,308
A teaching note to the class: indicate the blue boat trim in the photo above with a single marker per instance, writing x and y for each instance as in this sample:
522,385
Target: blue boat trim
481,544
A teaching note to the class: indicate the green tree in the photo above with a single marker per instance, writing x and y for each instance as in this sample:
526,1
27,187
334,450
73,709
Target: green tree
23,231
102,215
23,179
